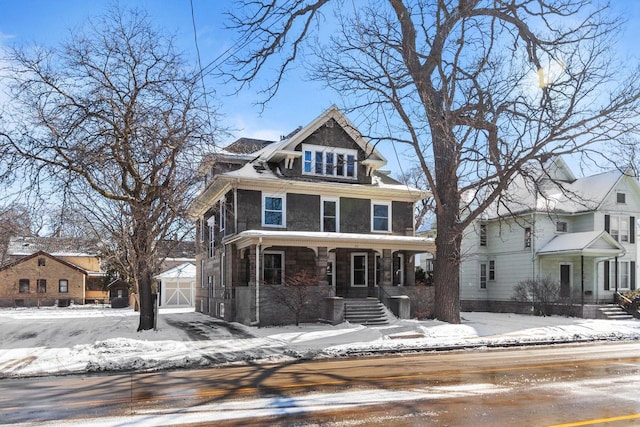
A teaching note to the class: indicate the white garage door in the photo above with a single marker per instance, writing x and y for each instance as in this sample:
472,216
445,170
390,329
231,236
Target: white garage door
177,294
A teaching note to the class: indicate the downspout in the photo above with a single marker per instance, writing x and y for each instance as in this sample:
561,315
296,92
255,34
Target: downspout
535,260
258,246
582,282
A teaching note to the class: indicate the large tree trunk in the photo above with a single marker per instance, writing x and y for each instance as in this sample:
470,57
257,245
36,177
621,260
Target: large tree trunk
447,270
144,273
449,238
144,280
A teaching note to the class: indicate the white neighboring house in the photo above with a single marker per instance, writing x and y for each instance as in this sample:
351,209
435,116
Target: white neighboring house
582,235
177,286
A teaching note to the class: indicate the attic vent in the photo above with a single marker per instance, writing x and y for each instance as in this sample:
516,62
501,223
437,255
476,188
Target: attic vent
329,123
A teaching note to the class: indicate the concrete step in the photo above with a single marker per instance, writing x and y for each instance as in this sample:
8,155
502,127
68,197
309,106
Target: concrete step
613,312
365,311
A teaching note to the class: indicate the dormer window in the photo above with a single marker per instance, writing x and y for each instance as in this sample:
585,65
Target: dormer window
329,161
561,227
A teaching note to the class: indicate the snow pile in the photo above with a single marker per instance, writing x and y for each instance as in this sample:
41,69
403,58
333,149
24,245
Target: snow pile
55,341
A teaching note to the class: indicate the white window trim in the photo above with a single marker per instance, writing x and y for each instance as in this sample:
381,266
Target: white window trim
284,209
223,214
366,275
389,219
489,269
281,253
335,151
337,202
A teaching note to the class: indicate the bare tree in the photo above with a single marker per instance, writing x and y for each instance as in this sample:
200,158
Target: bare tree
14,221
480,89
299,292
423,209
115,116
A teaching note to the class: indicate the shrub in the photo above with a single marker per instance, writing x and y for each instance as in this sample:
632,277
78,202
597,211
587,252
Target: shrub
541,293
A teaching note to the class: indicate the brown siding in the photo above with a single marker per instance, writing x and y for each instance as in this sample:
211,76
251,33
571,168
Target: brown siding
402,217
249,210
355,215
303,212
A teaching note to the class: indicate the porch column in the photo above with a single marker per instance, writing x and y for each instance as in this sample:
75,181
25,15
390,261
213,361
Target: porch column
321,265
387,267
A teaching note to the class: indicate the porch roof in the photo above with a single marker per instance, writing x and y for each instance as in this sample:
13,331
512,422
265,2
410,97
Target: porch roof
588,243
314,239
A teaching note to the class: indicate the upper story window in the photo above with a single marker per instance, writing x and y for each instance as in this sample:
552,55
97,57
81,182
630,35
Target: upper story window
621,198
223,215
561,226
41,262
381,216
527,237
273,210
329,161
330,219
483,234
211,223
620,227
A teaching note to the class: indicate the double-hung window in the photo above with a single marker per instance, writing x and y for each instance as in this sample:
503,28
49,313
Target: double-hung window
23,286
483,275
42,286
329,161
381,216
274,210
63,286
621,228
527,237
223,215
483,234
330,220
273,267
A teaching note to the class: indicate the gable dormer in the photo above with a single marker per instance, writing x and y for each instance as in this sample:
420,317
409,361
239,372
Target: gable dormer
328,149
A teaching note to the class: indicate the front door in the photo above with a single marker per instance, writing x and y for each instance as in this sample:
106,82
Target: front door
565,280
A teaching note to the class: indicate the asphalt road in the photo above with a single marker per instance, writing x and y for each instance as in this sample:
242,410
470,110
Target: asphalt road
588,384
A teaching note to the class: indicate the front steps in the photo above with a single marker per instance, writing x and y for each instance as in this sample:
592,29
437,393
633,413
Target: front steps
365,311
613,312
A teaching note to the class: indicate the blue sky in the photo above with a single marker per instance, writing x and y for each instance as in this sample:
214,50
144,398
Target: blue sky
298,102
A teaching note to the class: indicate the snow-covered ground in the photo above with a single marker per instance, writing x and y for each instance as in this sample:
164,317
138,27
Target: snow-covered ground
57,341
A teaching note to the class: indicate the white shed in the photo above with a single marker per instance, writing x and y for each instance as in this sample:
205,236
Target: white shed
177,286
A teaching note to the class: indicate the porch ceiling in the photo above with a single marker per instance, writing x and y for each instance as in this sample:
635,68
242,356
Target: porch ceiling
332,240
590,243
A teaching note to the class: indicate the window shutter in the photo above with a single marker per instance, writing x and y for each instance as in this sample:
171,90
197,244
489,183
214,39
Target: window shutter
632,229
607,222
606,273
633,275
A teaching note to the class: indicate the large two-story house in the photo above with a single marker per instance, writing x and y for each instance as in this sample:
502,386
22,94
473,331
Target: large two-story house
578,232
315,201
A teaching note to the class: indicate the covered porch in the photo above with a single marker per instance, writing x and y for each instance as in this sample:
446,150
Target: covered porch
348,265
582,263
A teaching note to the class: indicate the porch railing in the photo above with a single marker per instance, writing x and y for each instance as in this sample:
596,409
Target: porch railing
628,305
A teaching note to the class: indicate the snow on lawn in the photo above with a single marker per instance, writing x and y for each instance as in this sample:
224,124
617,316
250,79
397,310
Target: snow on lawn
54,341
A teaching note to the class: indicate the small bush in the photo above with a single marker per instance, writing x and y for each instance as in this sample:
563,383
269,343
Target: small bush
541,293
